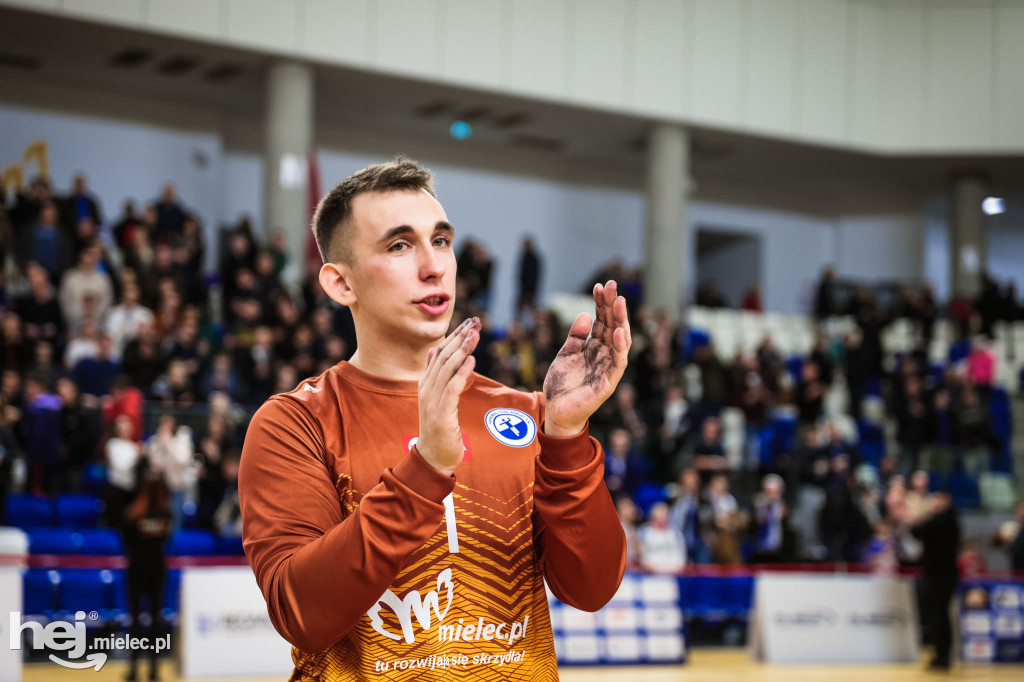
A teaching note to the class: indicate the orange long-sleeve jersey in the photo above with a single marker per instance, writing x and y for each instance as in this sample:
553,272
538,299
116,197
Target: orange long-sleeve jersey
375,565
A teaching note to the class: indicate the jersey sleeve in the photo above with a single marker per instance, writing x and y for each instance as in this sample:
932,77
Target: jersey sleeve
320,567
580,542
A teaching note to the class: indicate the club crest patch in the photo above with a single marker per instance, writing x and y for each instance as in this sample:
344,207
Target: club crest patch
511,427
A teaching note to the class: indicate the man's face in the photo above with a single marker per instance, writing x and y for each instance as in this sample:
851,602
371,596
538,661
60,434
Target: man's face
402,272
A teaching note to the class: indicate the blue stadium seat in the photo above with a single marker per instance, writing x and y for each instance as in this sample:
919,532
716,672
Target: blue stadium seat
94,479
766,445
647,495
959,350
230,546
785,433
78,510
712,604
39,594
192,542
101,541
688,594
54,541
872,442
795,367
88,590
172,592
1002,424
964,490
119,609
739,595
26,511
935,481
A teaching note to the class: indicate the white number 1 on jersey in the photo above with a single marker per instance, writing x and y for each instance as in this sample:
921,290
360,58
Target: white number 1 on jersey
449,519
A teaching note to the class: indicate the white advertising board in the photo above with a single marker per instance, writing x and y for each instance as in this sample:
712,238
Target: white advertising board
807,618
225,629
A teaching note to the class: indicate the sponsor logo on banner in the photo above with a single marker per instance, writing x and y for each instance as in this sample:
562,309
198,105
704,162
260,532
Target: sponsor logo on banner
979,650
511,427
1006,597
809,616
976,623
887,618
234,622
1009,625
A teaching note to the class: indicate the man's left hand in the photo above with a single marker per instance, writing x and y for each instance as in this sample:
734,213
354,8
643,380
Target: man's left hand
586,371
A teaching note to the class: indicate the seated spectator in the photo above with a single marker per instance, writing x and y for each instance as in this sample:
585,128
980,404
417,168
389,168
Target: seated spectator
751,301
981,363
175,388
974,436
662,547
15,349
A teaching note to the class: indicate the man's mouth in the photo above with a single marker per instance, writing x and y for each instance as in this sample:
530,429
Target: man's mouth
433,300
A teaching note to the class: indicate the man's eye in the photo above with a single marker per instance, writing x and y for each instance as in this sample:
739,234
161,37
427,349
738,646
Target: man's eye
442,241
398,246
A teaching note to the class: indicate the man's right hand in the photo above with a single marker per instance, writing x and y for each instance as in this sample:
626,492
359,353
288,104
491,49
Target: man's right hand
448,369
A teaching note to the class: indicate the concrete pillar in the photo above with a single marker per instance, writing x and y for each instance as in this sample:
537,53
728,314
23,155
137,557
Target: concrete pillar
968,234
668,171
288,139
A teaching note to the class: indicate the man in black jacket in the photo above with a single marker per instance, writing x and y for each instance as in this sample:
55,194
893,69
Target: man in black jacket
939,531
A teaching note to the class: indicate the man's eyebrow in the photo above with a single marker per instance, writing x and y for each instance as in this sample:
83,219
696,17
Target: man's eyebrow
405,230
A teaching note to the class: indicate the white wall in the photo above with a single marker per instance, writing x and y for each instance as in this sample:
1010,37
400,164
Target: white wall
880,247
923,76
123,160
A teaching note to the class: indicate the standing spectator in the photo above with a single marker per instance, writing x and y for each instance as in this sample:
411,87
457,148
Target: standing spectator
939,531
122,455
810,393
916,423
880,552
970,563
38,308
123,320
751,301
79,204
227,520
708,454
45,243
529,271
825,296
146,529
662,547
83,281
125,400
142,359
769,514
170,216
628,514
624,468
724,522
81,429
170,451
41,435
686,515
126,226
95,374
15,349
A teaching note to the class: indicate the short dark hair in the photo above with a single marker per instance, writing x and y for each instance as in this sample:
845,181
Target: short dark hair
335,209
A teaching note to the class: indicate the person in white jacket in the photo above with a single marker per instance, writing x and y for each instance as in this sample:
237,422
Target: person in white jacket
170,451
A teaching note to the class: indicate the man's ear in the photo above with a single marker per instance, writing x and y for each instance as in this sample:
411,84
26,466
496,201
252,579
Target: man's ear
336,280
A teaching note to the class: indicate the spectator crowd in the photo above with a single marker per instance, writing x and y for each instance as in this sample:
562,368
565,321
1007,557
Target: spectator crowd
123,361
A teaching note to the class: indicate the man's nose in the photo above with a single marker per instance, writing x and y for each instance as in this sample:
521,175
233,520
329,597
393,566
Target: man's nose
431,264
